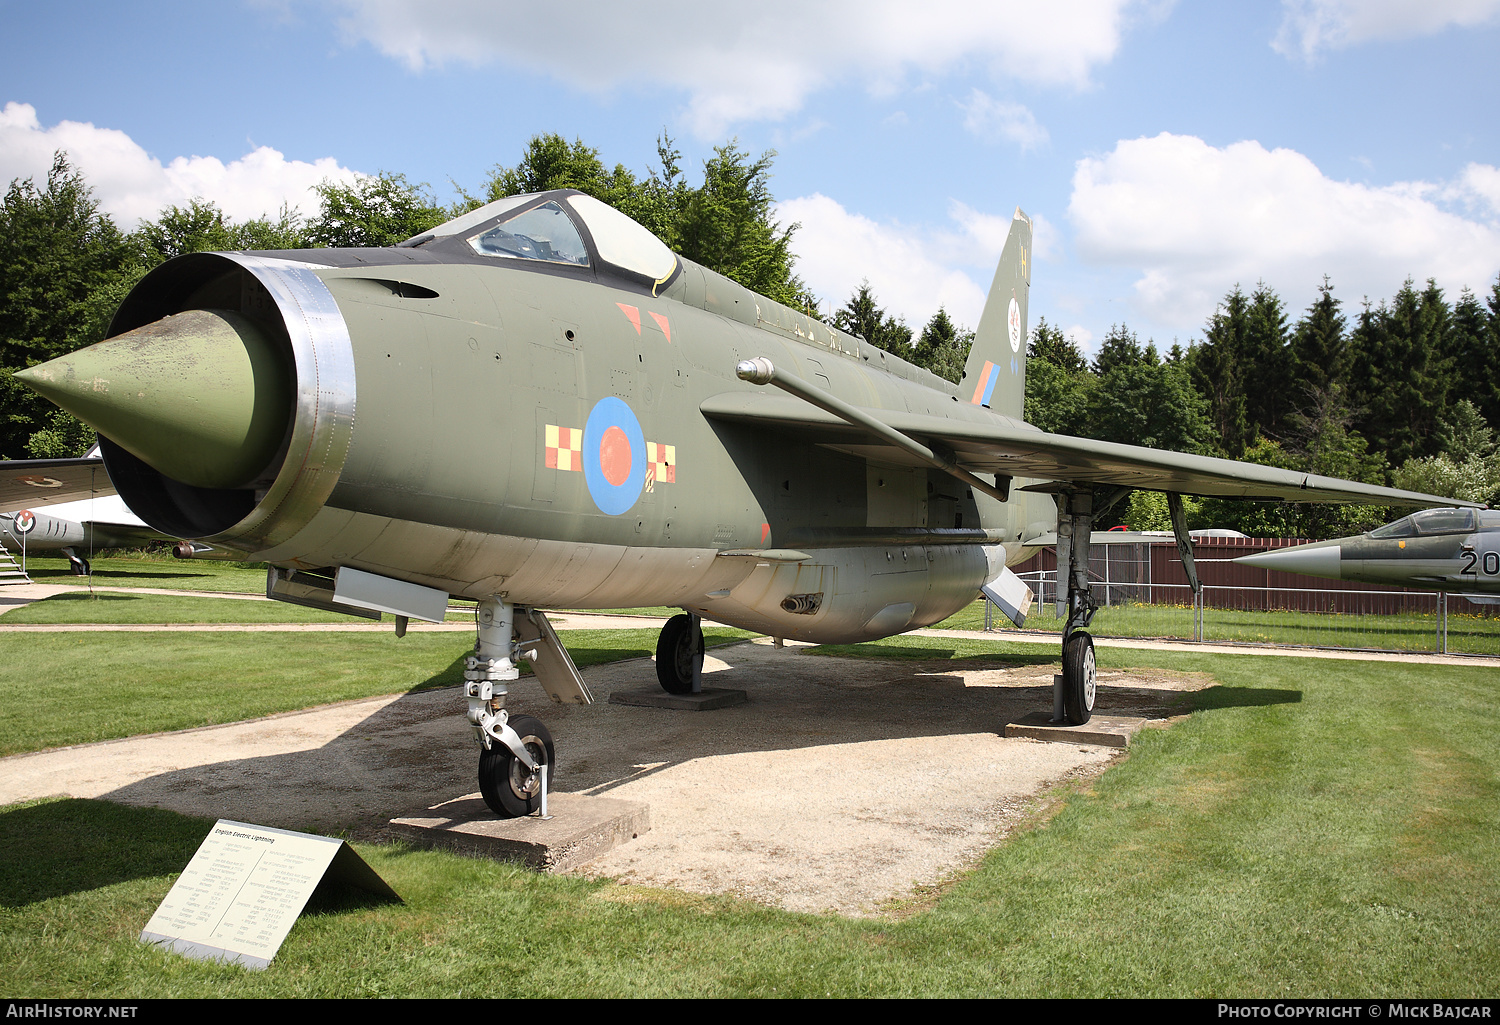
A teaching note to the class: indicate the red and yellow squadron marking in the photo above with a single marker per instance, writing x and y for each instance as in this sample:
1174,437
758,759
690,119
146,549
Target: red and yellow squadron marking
564,451
564,448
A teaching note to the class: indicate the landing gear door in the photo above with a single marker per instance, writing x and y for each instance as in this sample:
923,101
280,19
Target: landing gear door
551,663
1012,595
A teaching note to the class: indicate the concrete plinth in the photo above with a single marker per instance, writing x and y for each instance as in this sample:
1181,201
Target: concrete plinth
581,829
1101,730
655,697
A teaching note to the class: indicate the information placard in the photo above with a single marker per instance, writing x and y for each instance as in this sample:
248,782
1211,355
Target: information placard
242,892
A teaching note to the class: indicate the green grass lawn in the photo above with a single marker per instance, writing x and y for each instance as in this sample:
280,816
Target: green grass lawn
1312,829
151,569
118,607
112,607
153,682
1467,634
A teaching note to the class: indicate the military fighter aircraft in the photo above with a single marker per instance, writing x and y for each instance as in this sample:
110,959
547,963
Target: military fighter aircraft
75,525
1435,549
538,404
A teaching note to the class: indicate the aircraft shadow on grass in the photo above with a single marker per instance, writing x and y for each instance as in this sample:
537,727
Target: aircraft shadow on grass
55,848
62,847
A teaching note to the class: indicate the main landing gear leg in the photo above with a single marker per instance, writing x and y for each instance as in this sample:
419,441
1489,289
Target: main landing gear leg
515,750
679,655
1075,521
77,563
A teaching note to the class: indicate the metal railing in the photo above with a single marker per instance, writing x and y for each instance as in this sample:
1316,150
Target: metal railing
1137,608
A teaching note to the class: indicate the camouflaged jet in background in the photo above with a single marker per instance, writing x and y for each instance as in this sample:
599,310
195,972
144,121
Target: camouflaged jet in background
1454,550
539,405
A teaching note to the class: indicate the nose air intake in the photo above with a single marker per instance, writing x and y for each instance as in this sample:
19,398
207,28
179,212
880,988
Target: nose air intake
203,397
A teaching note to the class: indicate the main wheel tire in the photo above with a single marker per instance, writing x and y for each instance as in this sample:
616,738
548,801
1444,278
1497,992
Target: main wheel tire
1080,678
676,650
509,787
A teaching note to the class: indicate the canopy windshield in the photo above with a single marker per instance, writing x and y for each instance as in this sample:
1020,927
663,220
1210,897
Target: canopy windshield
1428,521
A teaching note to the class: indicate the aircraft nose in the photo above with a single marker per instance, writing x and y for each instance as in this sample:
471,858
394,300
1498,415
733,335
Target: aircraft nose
1321,560
204,397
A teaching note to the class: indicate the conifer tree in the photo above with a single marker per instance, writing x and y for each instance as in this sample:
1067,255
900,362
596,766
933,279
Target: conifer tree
1265,362
1320,344
1048,343
943,347
861,316
1400,378
1475,363
1059,383
1217,374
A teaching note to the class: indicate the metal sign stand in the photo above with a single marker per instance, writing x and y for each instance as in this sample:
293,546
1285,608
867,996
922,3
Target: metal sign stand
546,775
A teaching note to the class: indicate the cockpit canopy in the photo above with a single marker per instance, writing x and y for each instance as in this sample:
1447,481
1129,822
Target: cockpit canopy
561,227
1437,521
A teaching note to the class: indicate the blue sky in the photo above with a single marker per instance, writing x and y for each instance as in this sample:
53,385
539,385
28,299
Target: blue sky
1168,150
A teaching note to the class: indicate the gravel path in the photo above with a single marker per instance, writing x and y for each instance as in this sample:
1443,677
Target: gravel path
842,785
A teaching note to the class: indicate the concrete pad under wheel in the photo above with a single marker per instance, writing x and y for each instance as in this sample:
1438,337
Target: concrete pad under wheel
655,697
1100,731
580,829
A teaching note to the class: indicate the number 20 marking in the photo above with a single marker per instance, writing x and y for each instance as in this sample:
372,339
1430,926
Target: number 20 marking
1491,563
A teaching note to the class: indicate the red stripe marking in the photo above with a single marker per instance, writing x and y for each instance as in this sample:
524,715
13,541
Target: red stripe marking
661,322
984,379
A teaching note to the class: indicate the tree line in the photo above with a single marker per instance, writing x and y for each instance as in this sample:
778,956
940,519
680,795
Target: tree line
65,266
1403,392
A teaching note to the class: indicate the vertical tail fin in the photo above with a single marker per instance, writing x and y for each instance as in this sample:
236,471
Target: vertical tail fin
995,375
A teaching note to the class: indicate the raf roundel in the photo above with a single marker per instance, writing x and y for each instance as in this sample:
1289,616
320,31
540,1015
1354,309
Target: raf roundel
614,456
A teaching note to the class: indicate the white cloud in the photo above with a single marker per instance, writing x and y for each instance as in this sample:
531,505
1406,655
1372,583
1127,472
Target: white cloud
1309,26
1194,220
740,64
131,185
911,272
997,121
1079,336
1477,186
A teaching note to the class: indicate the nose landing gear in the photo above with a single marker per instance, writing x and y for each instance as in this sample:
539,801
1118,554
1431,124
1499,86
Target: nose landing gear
517,756
511,787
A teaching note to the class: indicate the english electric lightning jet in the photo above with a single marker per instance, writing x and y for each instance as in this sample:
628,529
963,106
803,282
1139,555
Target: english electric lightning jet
538,404
1434,549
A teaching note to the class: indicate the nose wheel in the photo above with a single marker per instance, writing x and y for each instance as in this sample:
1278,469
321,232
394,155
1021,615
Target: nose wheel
510,787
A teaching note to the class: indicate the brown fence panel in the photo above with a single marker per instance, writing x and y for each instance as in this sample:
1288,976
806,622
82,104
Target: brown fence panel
1229,586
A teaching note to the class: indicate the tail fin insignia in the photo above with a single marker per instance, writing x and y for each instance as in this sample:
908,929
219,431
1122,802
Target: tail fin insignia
997,359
